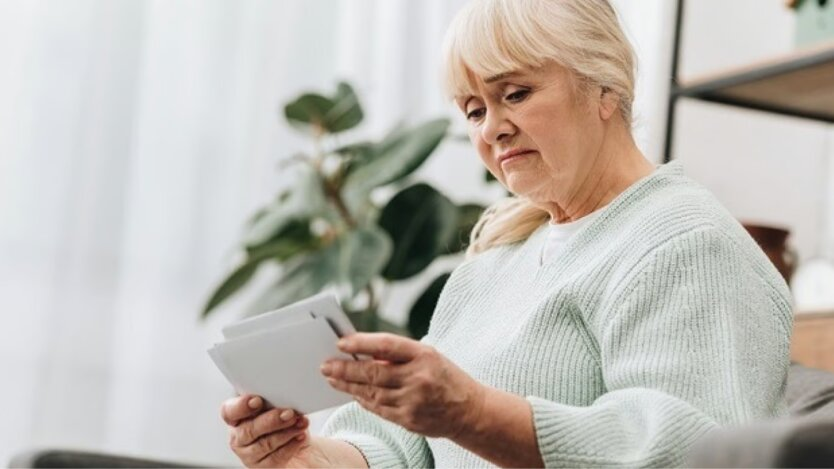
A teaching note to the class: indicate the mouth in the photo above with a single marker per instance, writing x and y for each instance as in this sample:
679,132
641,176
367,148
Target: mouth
513,155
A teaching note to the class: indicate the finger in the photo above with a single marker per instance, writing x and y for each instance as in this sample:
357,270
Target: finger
284,452
381,345
390,413
238,408
375,372
267,444
268,422
373,394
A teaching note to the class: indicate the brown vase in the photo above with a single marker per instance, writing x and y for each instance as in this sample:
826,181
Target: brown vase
773,242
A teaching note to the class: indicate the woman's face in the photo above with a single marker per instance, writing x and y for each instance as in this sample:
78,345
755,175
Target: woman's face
535,132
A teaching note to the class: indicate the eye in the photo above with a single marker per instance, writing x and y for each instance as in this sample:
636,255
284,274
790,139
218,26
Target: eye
475,113
517,96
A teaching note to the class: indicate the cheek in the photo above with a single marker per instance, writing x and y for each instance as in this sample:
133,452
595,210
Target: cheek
556,135
546,124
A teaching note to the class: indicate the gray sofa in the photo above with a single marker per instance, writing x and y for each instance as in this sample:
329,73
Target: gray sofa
803,439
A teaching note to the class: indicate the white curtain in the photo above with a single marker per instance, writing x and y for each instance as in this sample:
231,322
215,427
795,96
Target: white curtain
136,136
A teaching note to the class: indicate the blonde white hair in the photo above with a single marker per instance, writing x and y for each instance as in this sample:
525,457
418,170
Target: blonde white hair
490,37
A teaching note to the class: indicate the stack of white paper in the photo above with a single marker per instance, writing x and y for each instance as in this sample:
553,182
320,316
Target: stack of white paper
277,355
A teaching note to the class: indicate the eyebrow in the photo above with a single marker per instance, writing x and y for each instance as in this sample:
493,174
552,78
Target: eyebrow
500,76
489,80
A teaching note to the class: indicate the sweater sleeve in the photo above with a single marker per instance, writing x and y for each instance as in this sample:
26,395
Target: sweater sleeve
698,338
382,443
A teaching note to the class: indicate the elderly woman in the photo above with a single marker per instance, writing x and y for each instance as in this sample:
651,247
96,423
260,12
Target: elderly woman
610,313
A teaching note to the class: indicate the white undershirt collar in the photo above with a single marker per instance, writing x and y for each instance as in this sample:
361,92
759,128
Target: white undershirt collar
558,235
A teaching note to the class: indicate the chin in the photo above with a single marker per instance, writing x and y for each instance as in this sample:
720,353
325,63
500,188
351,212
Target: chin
522,186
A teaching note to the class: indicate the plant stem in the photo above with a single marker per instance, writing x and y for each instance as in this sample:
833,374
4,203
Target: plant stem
371,297
371,321
331,191
333,194
335,198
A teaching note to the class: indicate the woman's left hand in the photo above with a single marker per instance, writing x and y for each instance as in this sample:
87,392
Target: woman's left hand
408,383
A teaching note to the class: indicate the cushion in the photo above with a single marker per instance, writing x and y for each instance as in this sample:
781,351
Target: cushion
809,391
804,438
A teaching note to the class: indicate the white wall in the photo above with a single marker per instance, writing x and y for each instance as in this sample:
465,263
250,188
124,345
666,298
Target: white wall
764,168
136,136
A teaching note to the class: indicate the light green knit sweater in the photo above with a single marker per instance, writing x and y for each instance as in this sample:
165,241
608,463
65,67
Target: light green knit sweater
659,321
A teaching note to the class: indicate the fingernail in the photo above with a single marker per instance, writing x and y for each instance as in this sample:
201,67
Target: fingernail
326,368
254,403
286,415
301,437
342,343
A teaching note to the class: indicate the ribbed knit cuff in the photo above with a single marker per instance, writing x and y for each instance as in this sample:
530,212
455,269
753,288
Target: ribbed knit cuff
553,427
567,437
375,452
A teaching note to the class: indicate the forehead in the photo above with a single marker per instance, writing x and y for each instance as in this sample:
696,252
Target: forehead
475,85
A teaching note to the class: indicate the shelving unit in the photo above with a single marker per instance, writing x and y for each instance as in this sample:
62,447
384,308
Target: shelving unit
800,84
812,343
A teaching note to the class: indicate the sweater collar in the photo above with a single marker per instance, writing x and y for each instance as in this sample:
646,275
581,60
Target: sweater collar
586,233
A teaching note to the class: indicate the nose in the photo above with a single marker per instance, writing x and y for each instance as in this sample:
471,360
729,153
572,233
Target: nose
497,128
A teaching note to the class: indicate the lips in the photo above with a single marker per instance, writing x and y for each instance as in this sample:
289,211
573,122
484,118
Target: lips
513,155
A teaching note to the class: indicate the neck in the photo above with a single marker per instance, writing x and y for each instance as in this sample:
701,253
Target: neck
618,164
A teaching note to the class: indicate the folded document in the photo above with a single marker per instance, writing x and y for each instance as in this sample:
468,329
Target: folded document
277,355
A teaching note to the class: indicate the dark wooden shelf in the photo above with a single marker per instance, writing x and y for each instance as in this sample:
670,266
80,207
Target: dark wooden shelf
812,343
800,84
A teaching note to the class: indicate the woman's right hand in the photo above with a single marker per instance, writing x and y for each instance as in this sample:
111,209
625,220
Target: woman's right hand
263,437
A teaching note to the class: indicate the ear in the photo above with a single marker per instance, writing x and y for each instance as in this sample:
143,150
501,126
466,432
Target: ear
609,102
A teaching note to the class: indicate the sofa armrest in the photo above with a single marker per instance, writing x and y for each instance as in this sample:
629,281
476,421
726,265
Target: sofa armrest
810,445
71,458
810,391
789,442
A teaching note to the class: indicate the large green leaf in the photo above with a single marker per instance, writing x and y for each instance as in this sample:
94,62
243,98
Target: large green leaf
420,221
234,282
309,111
305,199
316,113
394,158
468,215
404,151
423,309
353,156
346,112
365,251
362,149
304,276
296,238
393,138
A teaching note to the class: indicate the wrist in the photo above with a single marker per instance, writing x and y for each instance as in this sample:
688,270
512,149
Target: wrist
473,413
332,452
501,430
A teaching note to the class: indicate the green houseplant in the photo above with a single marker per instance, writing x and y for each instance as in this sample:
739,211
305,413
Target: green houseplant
326,230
